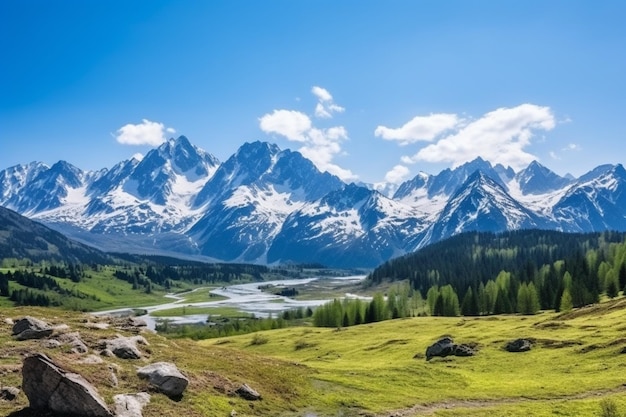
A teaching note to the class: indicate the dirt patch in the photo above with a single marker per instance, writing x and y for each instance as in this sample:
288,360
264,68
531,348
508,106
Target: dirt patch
555,344
590,348
388,343
594,309
552,325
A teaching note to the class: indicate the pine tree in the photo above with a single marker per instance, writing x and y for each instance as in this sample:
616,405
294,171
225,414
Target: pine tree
611,289
438,310
622,276
566,301
469,306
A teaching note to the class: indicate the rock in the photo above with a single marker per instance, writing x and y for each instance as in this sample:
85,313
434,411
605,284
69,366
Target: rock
464,350
50,343
31,328
61,328
248,393
446,347
165,377
9,321
124,347
91,360
96,326
49,387
130,405
518,345
137,322
74,341
443,347
9,393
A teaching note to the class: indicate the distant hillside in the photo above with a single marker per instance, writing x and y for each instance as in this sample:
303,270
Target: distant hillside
21,238
585,264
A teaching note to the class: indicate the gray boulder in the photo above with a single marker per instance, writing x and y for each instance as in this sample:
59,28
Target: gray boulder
130,405
165,377
9,393
125,347
31,328
49,387
446,347
464,350
74,341
518,345
442,348
248,393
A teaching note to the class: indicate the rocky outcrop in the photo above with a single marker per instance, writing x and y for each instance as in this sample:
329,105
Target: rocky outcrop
165,377
518,345
130,405
446,347
31,328
124,347
48,387
248,393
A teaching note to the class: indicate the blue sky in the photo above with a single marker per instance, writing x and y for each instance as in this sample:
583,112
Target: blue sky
369,90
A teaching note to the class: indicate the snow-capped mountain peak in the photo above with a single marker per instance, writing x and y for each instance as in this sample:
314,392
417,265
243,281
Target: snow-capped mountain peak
268,205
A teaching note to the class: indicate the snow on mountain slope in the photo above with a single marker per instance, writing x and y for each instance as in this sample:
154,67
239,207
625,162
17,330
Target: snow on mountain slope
249,197
596,202
351,226
265,204
484,205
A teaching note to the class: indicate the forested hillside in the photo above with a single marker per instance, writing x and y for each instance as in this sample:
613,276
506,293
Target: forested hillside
520,271
22,238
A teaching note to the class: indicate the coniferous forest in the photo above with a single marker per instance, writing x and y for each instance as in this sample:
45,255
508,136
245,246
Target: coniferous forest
523,271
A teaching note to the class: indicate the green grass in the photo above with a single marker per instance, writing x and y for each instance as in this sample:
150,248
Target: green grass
373,368
369,370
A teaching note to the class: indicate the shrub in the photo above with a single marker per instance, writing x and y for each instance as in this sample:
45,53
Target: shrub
608,408
258,339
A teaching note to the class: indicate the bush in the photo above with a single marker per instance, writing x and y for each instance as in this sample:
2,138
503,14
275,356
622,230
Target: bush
608,408
302,344
258,339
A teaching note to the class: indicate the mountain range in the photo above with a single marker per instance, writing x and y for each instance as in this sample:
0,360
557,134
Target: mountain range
267,205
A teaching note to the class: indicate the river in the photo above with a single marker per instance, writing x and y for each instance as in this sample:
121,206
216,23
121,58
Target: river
247,298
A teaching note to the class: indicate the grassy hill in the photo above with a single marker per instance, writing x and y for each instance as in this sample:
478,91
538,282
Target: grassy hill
370,370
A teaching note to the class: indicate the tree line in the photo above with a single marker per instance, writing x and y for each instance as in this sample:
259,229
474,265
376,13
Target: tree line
512,272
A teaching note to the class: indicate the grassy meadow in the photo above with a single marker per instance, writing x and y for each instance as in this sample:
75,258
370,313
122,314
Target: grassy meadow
375,368
368,370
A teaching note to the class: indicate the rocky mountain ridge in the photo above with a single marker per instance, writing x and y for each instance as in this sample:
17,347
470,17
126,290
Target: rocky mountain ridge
267,205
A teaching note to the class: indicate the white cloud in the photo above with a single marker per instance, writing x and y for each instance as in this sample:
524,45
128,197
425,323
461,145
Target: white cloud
138,156
554,156
397,175
322,94
288,123
320,145
499,136
325,106
572,147
420,128
170,130
144,133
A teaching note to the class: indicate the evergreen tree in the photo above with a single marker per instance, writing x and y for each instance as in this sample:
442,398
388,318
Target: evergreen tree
469,306
622,276
528,299
439,309
566,301
611,289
